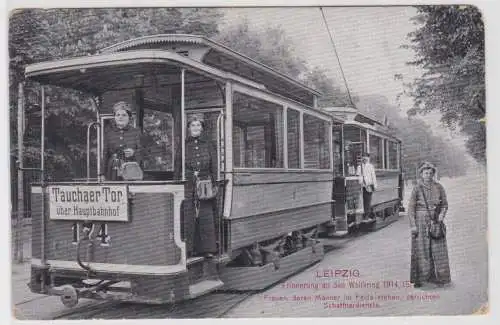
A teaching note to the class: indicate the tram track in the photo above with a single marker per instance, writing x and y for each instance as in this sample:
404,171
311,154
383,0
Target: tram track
27,301
214,305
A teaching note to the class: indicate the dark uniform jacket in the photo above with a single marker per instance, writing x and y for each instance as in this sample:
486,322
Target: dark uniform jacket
200,232
115,141
201,156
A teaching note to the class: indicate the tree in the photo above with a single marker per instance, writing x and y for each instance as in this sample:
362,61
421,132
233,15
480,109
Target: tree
273,48
449,47
38,35
418,141
332,94
270,47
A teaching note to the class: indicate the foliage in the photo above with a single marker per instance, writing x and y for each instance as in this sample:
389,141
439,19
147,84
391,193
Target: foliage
449,47
272,47
418,141
332,94
37,35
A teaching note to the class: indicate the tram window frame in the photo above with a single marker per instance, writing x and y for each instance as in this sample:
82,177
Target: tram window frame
273,151
354,139
385,154
298,138
324,142
376,157
395,145
172,141
338,155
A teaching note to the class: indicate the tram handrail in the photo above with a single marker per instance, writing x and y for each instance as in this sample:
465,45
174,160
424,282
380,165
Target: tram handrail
219,139
219,223
97,125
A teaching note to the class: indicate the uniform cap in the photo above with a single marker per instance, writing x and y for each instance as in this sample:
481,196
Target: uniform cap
195,117
122,105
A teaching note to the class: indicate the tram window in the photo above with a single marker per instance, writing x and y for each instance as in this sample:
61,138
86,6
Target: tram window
385,154
316,146
293,130
337,149
257,133
393,155
238,137
376,152
354,146
158,141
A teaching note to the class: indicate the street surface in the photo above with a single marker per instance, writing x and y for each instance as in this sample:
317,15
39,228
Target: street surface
383,255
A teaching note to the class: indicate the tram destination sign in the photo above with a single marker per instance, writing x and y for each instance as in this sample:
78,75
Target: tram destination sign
88,202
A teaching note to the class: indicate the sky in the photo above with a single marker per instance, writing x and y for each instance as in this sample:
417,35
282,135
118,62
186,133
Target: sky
367,39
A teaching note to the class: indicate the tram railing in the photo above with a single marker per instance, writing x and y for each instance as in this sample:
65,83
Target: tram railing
97,126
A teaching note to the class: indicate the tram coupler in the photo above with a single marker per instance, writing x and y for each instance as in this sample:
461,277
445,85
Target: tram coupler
70,295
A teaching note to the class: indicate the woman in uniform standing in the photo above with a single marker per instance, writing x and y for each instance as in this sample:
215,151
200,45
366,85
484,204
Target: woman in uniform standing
199,215
427,209
122,142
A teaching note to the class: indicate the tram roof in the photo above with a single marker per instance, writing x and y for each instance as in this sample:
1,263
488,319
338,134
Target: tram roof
351,116
113,71
347,114
181,49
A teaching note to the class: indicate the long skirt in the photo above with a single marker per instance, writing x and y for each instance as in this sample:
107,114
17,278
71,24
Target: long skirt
199,233
429,257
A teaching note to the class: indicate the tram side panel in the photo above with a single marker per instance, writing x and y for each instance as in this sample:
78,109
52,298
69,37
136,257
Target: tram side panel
136,242
387,195
133,250
266,206
267,210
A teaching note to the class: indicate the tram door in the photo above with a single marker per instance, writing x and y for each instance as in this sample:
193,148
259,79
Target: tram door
214,133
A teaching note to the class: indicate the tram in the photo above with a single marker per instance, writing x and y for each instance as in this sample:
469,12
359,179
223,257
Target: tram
354,135
274,175
283,175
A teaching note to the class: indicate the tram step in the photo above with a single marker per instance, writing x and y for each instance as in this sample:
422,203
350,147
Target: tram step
203,287
225,258
202,269
194,260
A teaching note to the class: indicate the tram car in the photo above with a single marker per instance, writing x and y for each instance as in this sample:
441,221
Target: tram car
354,134
125,239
